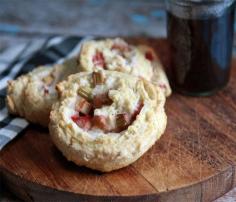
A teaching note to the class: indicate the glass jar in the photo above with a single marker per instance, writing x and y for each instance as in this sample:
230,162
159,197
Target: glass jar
200,33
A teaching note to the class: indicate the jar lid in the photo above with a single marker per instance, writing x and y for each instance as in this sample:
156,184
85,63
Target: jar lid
198,9
200,2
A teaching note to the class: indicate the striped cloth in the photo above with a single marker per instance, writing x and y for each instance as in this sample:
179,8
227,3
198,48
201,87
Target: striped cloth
22,59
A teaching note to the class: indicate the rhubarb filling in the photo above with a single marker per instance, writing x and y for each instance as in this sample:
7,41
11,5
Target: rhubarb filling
96,111
117,54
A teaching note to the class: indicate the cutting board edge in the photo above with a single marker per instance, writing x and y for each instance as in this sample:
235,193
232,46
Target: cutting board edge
31,191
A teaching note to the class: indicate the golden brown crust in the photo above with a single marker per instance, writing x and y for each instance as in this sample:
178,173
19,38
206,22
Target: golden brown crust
117,56
30,97
107,152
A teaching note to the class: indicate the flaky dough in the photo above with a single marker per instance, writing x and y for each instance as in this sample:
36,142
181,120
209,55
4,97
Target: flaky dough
28,97
108,151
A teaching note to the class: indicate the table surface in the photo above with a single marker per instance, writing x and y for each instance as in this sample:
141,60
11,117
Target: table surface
34,20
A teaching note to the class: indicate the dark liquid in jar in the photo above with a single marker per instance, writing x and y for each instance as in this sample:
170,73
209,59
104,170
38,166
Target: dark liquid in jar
201,52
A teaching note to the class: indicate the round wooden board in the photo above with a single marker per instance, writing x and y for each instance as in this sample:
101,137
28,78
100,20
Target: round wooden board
193,161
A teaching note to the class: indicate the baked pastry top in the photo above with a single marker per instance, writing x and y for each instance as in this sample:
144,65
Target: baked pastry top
106,120
115,55
32,95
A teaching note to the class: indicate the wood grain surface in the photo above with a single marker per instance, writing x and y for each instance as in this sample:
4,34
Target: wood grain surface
193,161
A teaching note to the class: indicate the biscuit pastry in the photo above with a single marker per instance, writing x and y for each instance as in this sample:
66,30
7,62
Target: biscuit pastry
117,55
32,95
106,120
